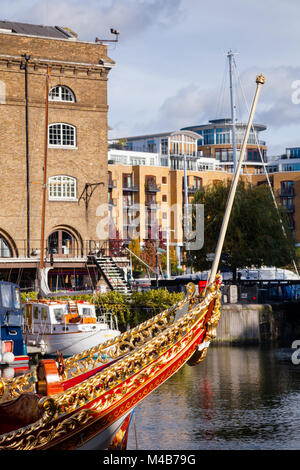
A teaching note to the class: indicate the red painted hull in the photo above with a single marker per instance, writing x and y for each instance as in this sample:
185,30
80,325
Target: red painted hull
103,420
90,408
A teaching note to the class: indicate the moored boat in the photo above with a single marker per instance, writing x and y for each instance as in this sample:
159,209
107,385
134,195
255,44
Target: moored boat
67,326
13,351
85,401
82,402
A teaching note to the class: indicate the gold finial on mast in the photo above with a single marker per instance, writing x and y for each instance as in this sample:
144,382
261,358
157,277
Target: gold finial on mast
260,79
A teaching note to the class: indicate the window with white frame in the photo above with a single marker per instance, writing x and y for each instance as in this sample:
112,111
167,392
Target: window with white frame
62,188
61,93
62,135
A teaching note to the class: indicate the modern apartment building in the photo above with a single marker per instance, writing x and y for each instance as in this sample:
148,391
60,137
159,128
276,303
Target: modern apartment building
71,130
151,178
284,177
164,162
217,142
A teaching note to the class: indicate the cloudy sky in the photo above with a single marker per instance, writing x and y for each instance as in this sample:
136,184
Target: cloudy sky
171,60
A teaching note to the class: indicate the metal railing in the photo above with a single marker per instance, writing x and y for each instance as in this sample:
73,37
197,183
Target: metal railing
130,187
112,184
75,250
152,187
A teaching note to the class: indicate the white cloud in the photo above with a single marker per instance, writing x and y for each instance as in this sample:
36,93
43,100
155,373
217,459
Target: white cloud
92,18
276,109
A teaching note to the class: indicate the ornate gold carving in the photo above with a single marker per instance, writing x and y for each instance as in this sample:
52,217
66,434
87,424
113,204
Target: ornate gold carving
12,388
197,357
152,346
260,79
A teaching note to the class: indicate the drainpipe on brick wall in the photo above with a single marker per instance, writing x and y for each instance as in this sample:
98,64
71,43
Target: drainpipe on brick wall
27,57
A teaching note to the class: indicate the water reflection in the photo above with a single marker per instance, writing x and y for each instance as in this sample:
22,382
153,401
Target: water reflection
238,398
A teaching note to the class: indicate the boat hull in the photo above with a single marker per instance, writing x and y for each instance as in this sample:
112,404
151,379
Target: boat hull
71,343
86,414
97,418
105,439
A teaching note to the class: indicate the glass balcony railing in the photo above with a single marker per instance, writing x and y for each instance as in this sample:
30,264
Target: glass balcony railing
152,187
130,187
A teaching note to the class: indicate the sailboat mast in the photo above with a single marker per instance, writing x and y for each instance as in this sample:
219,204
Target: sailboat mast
233,108
186,201
260,80
45,172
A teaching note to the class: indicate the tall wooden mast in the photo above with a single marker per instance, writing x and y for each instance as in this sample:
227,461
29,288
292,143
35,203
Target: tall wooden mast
45,173
260,80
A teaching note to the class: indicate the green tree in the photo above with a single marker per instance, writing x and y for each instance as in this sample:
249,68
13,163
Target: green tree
254,236
134,246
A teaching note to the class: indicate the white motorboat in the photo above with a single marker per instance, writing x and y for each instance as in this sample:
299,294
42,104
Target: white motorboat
65,326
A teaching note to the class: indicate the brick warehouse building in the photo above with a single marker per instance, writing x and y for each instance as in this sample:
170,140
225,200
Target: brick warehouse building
76,151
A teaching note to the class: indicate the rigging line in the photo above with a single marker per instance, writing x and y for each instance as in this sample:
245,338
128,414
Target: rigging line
266,171
19,276
90,278
221,92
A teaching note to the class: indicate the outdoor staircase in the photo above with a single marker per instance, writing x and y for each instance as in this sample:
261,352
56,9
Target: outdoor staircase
113,275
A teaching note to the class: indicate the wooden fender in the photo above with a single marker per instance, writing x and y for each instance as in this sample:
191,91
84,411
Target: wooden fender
48,378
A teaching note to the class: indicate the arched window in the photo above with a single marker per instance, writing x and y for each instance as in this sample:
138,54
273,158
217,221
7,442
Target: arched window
5,250
62,135
61,93
62,188
62,242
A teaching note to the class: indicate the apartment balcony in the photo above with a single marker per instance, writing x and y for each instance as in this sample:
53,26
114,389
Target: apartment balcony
130,187
112,203
180,156
131,207
150,205
112,184
192,189
152,187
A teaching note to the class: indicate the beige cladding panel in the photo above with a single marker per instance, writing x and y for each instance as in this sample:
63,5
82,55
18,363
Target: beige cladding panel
175,194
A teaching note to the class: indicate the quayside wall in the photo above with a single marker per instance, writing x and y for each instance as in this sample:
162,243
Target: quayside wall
258,323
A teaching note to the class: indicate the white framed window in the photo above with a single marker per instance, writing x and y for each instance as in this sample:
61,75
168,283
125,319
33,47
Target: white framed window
61,93
62,188
62,135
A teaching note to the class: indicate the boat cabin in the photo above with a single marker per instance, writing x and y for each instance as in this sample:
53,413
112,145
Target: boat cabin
58,312
11,320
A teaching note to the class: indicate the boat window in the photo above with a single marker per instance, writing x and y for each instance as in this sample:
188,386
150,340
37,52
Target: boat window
58,313
14,319
6,298
87,312
17,298
35,312
43,313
